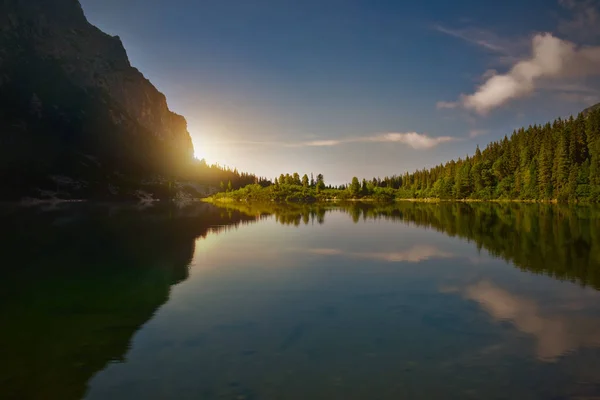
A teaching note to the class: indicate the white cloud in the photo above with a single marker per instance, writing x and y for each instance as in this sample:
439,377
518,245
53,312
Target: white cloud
415,140
419,141
490,73
318,143
551,59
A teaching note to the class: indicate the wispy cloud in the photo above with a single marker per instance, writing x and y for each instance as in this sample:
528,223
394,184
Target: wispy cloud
505,50
418,141
319,143
583,21
325,252
476,36
447,105
551,59
473,133
412,139
579,98
572,92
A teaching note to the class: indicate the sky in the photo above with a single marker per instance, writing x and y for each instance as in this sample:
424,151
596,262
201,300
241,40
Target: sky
358,87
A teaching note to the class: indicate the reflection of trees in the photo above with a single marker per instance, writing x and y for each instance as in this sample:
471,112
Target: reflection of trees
76,284
562,241
285,214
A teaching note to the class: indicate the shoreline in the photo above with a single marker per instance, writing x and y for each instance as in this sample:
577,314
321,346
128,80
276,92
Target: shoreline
228,200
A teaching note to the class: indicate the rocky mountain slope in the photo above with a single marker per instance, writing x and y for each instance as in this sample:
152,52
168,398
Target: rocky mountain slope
73,110
588,110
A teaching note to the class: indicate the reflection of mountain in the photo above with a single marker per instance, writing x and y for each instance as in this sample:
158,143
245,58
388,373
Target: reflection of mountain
556,333
76,285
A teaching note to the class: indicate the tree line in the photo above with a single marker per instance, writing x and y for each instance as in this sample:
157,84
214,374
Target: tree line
556,161
224,178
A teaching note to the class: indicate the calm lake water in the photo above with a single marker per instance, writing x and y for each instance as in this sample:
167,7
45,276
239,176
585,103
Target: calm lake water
404,301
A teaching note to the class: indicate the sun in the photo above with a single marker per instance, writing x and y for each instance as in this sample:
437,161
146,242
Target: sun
203,140
204,150
198,153
200,150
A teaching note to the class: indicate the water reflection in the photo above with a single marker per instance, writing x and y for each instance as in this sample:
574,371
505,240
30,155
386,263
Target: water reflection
77,281
414,254
322,302
290,310
556,331
562,241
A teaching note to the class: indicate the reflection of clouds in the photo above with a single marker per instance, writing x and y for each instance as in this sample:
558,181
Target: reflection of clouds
413,255
555,334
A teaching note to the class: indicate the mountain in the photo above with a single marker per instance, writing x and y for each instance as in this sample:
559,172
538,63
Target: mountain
588,110
73,111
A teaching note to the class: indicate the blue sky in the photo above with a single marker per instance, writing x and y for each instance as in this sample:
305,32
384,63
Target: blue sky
358,87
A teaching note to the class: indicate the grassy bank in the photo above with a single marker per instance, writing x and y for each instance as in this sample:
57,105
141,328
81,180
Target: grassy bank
298,194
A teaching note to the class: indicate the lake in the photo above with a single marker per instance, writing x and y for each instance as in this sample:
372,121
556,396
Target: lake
358,301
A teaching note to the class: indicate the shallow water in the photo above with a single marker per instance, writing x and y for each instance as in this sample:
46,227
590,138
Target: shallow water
419,301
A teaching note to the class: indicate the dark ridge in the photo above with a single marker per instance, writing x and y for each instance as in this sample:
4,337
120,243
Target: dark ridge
71,105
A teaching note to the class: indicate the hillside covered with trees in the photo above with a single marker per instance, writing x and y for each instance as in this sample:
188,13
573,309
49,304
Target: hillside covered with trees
556,161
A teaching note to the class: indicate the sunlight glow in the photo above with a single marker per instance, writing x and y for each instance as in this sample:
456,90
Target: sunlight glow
207,146
198,152
201,147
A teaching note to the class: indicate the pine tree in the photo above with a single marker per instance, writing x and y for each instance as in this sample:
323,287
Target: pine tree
545,171
563,169
305,180
355,186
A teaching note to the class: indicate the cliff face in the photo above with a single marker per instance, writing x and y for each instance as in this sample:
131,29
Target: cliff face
71,104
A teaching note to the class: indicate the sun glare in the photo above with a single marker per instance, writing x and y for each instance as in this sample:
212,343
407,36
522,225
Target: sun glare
200,148
204,149
198,153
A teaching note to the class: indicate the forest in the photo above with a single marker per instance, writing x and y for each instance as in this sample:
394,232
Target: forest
558,161
223,177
